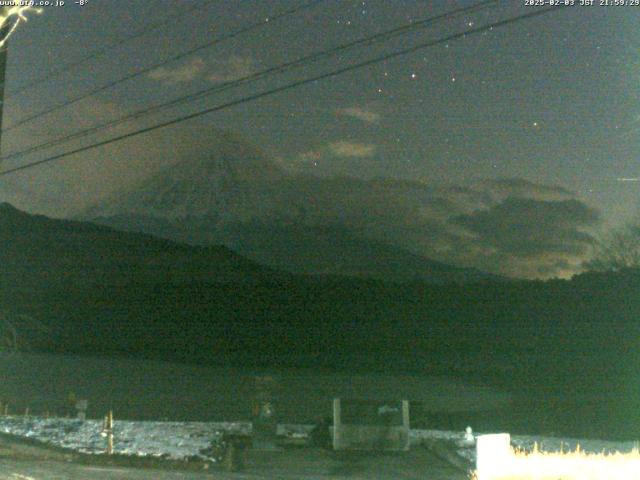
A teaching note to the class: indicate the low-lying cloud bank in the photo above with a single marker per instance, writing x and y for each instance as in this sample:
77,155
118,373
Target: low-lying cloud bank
506,226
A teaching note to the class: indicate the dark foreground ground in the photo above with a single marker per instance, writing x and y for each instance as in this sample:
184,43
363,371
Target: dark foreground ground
29,461
565,351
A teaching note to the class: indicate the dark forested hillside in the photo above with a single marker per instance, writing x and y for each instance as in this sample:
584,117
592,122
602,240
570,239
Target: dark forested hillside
98,291
39,253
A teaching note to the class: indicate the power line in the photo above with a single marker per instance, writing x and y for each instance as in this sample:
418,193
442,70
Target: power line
368,40
288,86
175,58
107,48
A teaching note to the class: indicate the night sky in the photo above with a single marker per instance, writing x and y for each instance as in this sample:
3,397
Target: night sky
550,105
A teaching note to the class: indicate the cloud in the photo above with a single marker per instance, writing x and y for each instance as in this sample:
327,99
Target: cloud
310,156
227,70
507,226
527,228
519,187
322,160
184,73
359,113
510,227
344,148
519,228
233,68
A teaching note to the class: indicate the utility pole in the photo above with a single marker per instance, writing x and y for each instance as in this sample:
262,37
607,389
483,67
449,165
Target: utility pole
3,67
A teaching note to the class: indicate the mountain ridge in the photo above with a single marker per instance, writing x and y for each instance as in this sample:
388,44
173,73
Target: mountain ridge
37,250
240,197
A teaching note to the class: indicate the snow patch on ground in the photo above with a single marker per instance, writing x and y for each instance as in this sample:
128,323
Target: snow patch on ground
175,440
179,440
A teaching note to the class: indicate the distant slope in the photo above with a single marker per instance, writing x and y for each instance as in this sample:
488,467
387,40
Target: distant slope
335,250
330,250
36,250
